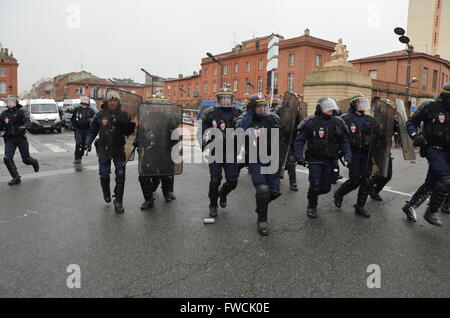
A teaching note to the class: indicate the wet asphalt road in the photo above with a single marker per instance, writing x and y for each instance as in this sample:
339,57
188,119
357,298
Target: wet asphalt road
57,218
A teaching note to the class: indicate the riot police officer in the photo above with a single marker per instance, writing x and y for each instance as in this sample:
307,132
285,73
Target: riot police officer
220,118
81,121
276,103
291,163
155,151
326,136
361,129
14,123
435,146
113,125
258,117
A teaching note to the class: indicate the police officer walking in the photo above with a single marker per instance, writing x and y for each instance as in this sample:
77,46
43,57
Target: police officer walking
325,136
361,131
435,146
14,123
258,117
81,119
112,125
221,117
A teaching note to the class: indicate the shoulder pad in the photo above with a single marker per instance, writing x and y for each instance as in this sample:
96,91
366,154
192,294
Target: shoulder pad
207,112
305,121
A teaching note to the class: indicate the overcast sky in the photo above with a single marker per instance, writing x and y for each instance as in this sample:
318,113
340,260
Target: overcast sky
168,37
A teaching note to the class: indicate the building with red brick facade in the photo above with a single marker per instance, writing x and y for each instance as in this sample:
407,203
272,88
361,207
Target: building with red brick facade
244,69
388,73
8,73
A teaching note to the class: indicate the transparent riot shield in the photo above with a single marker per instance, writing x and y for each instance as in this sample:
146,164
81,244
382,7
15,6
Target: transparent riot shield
409,152
384,115
159,125
130,103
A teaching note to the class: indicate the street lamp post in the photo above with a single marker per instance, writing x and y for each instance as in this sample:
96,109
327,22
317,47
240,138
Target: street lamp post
216,60
151,78
410,50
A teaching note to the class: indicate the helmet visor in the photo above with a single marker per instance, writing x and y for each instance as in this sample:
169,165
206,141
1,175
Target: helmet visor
225,100
328,104
362,104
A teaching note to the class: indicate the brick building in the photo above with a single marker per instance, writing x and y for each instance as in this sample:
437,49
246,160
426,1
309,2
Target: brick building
8,73
244,69
388,73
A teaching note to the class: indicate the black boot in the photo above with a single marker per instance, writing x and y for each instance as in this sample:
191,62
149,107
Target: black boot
146,186
32,162
313,198
105,181
376,196
446,206
224,190
360,210
421,195
11,166
344,189
262,205
438,196
213,197
118,191
379,183
292,178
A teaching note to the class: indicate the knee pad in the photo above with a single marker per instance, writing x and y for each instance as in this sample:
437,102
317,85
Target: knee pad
120,174
7,160
315,186
143,179
355,183
325,190
215,182
263,193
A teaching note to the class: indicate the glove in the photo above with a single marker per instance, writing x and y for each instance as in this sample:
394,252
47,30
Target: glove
347,161
2,133
22,129
136,143
88,147
419,141
301,162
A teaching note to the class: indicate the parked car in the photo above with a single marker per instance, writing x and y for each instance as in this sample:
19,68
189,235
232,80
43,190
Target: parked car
44,115
2,106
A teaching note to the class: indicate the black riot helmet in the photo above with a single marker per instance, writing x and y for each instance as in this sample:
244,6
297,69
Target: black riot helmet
359,103
225,97
257,100
325,104
445,92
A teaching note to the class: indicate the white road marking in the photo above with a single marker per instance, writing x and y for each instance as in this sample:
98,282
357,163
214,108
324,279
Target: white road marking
70,144
386,189
32,149
55,148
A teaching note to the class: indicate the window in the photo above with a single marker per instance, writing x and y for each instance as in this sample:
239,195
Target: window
95,92
174,91
168,91
196,89
318,60
290,81
261,64
225,84
2,87
291,59
260,84
225,69
247,86
206,72
189,90
235,85
205,89
373,74
181,91
2,72
81,90
214,87
435,79
236,68
424,78
247,67
275,81
215,71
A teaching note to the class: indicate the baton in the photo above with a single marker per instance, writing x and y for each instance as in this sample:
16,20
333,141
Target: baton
129,157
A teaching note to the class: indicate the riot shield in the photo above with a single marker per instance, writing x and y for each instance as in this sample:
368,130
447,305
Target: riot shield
291,109
130,103
384,115
409,152
156,124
